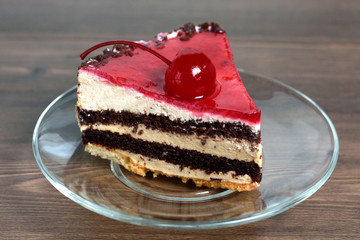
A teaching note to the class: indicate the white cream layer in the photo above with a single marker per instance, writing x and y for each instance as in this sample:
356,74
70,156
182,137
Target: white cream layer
161,166
229,148
96,93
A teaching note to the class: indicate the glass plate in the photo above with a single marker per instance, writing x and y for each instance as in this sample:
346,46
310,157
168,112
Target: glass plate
300,153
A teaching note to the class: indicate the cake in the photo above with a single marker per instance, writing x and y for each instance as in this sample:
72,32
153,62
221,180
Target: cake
129,112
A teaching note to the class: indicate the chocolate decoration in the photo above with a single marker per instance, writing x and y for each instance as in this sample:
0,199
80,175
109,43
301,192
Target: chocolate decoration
116,51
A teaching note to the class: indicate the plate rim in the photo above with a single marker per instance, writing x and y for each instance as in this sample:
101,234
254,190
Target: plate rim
191,225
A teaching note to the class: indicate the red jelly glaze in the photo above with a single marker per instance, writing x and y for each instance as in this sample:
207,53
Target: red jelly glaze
191,75
146,74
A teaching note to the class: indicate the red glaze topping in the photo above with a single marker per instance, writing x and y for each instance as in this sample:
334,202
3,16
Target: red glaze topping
141,71
191,75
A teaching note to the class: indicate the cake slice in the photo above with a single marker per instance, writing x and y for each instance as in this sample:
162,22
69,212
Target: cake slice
128,114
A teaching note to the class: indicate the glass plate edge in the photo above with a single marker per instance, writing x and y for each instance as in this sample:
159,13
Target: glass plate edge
193,224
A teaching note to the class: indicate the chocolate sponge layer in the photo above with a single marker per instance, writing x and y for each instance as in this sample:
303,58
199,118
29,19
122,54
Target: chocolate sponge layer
174,155
163,123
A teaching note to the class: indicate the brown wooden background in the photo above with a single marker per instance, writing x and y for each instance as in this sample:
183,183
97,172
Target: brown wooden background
313,46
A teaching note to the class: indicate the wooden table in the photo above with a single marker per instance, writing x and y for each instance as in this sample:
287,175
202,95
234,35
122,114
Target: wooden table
313,46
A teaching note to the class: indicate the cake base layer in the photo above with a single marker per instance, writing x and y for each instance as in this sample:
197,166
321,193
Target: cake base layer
140,165
173,155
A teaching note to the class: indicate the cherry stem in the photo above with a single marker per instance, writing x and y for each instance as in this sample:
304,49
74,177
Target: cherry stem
84,54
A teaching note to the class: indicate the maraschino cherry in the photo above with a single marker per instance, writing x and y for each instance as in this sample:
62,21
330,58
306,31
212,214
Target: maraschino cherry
191,75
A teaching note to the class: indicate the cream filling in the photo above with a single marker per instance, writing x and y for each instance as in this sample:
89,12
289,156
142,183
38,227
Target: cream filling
95,93
229,148
152,164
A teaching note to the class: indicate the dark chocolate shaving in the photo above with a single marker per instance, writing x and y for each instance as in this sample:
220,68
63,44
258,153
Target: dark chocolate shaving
159,44
204,26
189,28
185,37
214,27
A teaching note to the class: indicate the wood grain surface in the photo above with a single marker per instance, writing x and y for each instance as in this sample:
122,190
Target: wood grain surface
313,46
